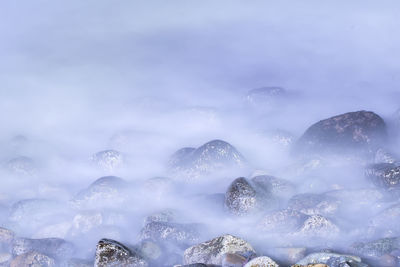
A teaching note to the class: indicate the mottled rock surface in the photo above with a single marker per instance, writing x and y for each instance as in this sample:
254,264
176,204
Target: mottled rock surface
33,259
263,261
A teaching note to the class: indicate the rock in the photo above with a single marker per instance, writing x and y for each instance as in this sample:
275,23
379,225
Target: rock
74,262
112,253
214,156
212,251
85,221
313,204
383,156
318,226
324,258
31,214
280,137
162,216
233,260
33,259
282,221
241,198
108,160
261,262
179,234
54,247
59,230
21,166
384,175
108,191
352,132
6,239
377,248
5,259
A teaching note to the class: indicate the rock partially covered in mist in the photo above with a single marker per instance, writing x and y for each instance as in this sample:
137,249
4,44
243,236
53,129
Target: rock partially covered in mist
112,253
175,233
21,166
105,191
108,160
359,131
387,220
377,248
6,239
313,204
161,216
384,175
331,259
263,261
282,221
287,255
241,198
318,226
54,247
214,156
384,156
34,259
212,251
273,186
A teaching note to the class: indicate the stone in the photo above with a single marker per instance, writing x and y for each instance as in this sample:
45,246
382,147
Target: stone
273,186
263,261
314,204
324,258
112,253
384,175
108,160
212,251
6,238
54,247
383,156
214,156
318,226
377,248
282,221
352,132
241,198
33,259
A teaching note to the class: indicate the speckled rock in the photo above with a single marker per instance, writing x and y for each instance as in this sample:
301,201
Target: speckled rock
314,204
161,216
384,175
108,191
384,156
112,253
287,255
233,260
212,251
263,261
318,226
324,258
179,234
33,259
282,221
241,198
108,160
354,131
377,248
54,247
214,156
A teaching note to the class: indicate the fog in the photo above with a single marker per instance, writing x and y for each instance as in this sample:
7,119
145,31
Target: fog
147,78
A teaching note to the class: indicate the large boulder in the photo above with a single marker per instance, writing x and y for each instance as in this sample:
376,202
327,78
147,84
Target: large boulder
212,251
360,131
112,253
214,156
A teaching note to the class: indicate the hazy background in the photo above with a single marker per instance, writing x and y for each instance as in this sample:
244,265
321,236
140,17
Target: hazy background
75,74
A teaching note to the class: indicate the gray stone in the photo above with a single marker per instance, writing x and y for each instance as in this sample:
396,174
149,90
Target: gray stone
314,204
282,221
263,261
212,251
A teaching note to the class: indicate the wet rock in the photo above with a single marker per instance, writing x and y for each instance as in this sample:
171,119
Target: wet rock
318,226
33,259
383,156
212,251
214,156
384,175
21,166
108,191
313,204
112,253
324,258
358,131
108,160
241,198
282,221
54,247
287,255
179,234
233,260
261,262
